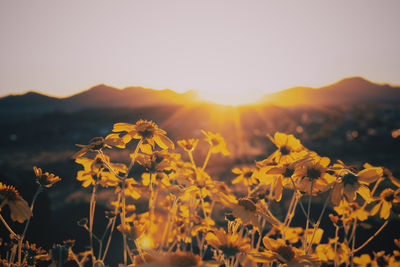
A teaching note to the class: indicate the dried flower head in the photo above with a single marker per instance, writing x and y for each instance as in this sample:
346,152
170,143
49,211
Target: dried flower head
45,179
96,143
19,209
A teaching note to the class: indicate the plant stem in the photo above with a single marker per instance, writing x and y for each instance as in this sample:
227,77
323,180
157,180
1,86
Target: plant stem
8,228
92,208
112,227
308,216
319,220
123,214
335,246
27,223
207,158
372,237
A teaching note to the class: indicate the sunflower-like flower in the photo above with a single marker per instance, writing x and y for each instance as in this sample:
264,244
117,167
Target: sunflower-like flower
216,142
379,260
96,170
350,211
314,172
327,253
19,209
247,176
246,211
96,143
288,147
386,199
157,161
145,130
188,145
278,251
278,176
45,179
230,244
350,183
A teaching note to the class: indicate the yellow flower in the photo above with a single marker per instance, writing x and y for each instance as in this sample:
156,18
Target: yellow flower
248,176
314,172
279,251
278,177
95,171
45,179
160,178
350,183
96,143
363,261
287,145
246,211
145,130
188,145
326,252
350,211
157,161
229,244
216,142
386,199
19,209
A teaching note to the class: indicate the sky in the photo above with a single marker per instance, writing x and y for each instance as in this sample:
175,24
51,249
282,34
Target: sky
228,50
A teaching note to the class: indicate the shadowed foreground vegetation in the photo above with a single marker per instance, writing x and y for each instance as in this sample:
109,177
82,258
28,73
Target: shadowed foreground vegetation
151,204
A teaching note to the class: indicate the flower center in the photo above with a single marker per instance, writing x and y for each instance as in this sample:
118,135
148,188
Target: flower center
286,252
248,174
313,173
350,179
247,204
146,133
229,250
284,150
382,261
215,142
388,195
288,172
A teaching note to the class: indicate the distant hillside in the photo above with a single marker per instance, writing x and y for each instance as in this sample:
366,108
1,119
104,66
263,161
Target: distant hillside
353,90
98,96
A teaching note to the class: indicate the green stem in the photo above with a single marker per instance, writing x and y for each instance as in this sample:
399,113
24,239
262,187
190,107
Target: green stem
353,241
335,246
319,220
92,208
112,226
8,228
308,215
372,237
123,214
27,223
206,160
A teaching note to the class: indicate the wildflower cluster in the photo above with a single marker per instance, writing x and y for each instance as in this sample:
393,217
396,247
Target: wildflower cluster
179,225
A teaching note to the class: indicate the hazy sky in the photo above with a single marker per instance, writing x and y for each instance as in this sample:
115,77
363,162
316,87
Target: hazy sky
61,47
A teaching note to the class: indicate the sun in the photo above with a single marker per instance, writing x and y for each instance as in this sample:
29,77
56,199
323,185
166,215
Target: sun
231,98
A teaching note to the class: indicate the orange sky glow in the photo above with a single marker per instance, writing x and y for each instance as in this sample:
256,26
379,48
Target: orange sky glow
229,51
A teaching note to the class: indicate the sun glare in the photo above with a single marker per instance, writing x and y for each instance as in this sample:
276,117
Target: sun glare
229,98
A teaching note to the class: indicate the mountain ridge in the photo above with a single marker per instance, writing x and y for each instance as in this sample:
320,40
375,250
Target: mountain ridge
353,90
348,90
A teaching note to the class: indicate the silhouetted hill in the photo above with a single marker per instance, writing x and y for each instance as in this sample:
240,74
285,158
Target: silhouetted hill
29,103
354,90
103,96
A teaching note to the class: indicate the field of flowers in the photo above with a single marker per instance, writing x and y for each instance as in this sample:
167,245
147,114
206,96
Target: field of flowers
176,214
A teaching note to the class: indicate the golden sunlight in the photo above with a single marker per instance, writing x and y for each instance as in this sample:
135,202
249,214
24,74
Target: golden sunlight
224,97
